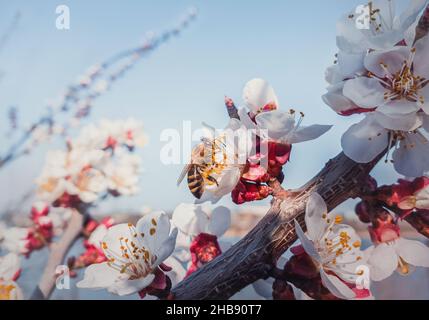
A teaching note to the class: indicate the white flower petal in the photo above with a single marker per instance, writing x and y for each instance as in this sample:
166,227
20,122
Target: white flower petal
245,119
383,261
421,61
306,243
336,100
424,92
113,235
315,209
393,58
278,123
98,276
333,74
364,141
350,63
413,252
220,221
191,219
336,286
98,235
349,38
126,287
166,248
401,122
9,266
300,295
425,123
257,93
156,229
402,106
411,159
365,92
307,133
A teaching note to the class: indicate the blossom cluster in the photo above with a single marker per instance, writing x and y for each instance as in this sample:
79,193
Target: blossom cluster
45,223
382,72
96,164
156,253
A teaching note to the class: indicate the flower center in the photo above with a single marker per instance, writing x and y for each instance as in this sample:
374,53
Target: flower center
85,177
49,185
134,259
402,84
334,245
6,291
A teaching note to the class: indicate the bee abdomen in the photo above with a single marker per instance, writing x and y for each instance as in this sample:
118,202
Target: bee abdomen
195,182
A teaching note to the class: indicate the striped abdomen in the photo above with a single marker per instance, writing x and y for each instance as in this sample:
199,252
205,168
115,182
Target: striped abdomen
196,181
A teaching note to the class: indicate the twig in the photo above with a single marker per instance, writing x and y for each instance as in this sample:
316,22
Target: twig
423,25
57,254
9,30
79,98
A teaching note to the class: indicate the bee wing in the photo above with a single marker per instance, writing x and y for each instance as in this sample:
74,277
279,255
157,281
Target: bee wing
183,174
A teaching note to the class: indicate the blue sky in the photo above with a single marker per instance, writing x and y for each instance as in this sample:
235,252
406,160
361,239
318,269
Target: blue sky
289,43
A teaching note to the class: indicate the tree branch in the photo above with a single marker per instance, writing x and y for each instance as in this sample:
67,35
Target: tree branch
57,253
423,25
253,257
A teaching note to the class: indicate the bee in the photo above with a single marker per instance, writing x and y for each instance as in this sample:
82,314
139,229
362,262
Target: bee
204,164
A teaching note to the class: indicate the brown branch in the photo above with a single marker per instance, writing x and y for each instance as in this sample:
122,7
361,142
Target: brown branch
420,221
422,28
252,257
58,252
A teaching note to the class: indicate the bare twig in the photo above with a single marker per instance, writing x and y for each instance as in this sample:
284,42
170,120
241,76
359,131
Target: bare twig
9,30
420,222
423,25
58,252
79,98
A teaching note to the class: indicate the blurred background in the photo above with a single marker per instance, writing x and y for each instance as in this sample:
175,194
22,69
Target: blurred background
288,43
